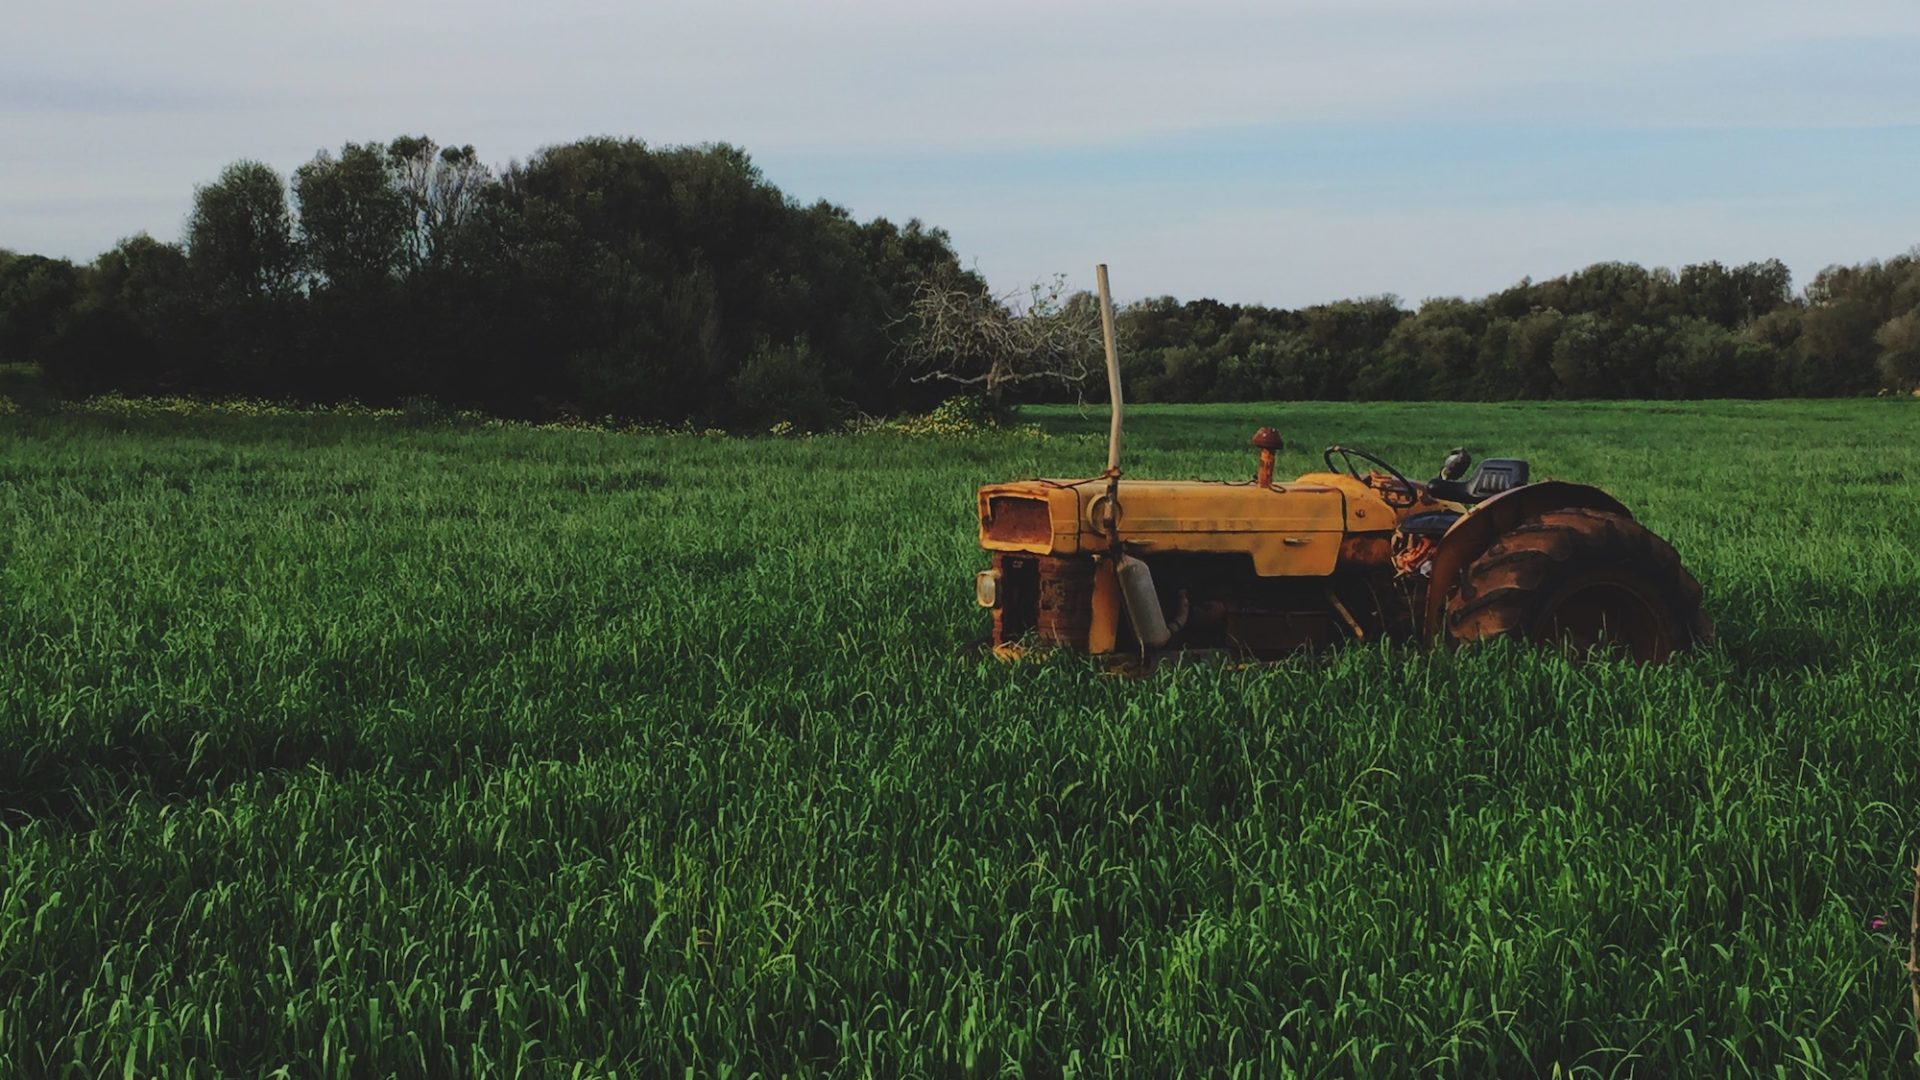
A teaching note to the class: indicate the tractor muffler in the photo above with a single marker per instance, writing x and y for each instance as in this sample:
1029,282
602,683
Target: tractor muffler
1151,625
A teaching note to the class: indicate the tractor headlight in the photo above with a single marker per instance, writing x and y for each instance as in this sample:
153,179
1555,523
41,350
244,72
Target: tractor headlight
986,588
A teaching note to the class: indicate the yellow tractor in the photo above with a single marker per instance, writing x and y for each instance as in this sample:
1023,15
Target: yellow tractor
1359,552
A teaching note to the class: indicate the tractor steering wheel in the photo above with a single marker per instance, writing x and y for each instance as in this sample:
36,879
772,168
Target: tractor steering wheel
1406,495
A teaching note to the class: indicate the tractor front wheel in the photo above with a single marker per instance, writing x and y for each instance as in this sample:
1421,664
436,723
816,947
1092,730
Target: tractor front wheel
1585,578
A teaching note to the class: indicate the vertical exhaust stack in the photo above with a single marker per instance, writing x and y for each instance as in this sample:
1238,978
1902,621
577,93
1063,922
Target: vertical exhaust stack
1134,580
1113,371
1269,443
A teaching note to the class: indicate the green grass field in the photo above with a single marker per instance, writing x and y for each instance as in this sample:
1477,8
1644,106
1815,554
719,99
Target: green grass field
337,746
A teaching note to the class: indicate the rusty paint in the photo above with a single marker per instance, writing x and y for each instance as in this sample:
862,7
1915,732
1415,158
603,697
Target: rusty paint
1366,549
1018,521
1063,612
1477,531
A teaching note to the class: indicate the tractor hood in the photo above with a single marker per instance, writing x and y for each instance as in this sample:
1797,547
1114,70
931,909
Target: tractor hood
1286,529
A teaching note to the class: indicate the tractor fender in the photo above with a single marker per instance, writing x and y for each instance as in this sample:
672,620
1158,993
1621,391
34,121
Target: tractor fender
1476,531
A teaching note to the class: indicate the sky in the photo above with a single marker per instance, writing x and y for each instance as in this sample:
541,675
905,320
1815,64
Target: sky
1284,153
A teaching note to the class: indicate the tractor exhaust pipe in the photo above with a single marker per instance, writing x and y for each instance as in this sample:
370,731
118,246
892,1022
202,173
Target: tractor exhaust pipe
1113,369
1143,603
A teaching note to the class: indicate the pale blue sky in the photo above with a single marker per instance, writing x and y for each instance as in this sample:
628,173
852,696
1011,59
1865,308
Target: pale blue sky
1283,153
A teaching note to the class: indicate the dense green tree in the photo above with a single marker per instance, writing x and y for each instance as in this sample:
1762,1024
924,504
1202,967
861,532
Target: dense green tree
1731,298
1439,348
1836,352
1580,356
247,275
1704,359
354,219
136,326
786,384
1899,341
36,295
240,236
1619,292
1528,353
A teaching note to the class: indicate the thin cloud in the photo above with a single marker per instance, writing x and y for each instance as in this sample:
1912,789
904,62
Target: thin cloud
1064,127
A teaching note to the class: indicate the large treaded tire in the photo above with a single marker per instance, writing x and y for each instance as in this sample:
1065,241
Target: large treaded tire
1583,577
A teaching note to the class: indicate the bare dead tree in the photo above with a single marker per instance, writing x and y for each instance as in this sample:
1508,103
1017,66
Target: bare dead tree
442,186
970,337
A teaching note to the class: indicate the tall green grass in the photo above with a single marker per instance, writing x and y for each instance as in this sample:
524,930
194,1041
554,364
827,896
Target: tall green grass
334,746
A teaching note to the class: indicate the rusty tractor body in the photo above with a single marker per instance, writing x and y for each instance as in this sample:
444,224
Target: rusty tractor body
1117,566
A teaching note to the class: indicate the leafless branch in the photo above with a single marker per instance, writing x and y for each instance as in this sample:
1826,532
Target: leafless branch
972,338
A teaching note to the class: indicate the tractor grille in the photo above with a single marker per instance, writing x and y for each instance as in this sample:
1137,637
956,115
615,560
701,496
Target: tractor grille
1048,597
1015,520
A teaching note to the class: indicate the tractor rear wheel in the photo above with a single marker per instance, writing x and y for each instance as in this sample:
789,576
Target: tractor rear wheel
1586,578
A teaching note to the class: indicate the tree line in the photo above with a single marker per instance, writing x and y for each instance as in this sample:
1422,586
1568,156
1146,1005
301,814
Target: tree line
1612,330
666,284
602,277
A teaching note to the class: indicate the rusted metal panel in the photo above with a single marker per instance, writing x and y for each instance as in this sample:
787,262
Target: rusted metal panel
1025,500
1366,550
1060,601
1064,613
1016,519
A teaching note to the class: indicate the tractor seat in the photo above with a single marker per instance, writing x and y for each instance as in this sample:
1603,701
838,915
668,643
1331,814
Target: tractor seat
1490,478
1495,475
